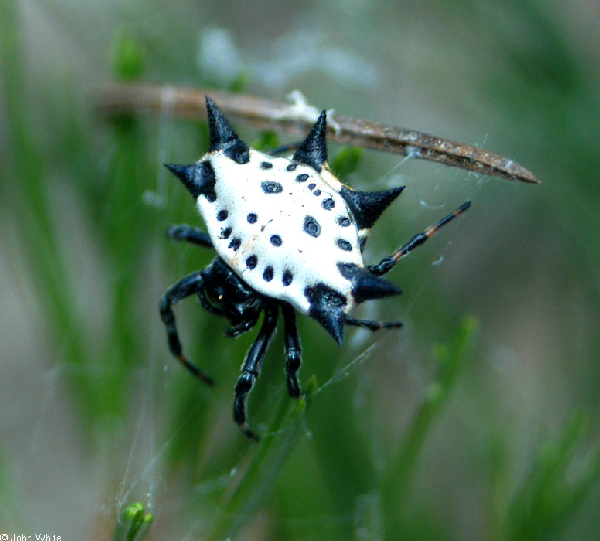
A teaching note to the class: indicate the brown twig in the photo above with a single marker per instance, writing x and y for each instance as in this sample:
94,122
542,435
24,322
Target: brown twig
118,99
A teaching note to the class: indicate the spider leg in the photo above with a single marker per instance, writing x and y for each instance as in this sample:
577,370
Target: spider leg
285,148
293,351
387,263
372,325
251,369
184,288
190,234
243,327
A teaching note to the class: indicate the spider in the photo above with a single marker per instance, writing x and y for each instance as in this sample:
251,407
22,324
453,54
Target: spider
289,237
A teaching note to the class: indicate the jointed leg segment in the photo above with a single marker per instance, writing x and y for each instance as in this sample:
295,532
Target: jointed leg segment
372,325
190,234
386,264
187,286
251,369
293,351
235,331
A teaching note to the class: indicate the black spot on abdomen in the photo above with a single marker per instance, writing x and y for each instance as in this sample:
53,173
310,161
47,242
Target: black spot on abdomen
344,245
235,243
349,270
287,278
251,262
328,203
271,187
268,274
311,226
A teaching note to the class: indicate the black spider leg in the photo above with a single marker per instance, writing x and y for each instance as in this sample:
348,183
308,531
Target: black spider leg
387,263
190,234
293,351
372,325
251,369
198,237
285,148
184,288
241,328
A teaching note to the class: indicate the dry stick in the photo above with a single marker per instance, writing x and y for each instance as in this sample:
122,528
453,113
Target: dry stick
117,99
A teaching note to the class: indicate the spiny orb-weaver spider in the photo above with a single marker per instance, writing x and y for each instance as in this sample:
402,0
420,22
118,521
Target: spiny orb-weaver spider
288,236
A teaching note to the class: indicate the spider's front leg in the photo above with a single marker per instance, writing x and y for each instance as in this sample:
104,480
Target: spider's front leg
187,286
372,325
387,263
251,369
190,234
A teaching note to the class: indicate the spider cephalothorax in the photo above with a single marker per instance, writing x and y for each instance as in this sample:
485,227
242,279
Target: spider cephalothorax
288,235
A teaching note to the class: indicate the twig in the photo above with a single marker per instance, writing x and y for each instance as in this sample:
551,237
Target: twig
118,99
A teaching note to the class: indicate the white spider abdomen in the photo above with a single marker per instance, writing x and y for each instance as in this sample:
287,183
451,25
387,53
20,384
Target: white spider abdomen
281,227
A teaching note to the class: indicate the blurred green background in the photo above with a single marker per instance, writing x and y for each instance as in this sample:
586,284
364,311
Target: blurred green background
478,420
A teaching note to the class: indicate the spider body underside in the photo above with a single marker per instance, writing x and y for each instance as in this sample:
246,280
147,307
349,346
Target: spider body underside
289,236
